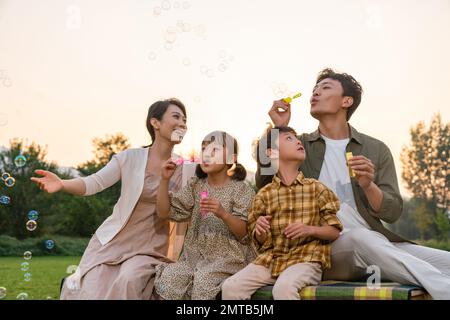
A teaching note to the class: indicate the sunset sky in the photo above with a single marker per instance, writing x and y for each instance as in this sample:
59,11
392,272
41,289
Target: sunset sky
72,70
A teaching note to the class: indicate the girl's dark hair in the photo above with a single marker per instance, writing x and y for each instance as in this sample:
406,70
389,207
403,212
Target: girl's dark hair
231,145
157,111
261,145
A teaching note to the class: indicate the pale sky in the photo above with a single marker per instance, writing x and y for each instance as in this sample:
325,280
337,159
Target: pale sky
72,70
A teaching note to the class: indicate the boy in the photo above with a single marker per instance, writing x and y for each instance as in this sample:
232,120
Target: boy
292,223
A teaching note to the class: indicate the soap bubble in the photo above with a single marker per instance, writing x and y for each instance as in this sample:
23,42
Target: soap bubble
280,89
10,182
7,82
156,11
31,225
27,277
2,292
5,175
180,24
24,266
20,161
210,73
203,69
187,62
33,215
374,17
223,54
168,46
22,296
5,200
200,30
222,67
3,119
27,255
186,27
170,37
71,269
73,19
49,244
166,5
151,56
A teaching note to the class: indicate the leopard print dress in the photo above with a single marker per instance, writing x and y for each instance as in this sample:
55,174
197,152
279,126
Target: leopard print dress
211,253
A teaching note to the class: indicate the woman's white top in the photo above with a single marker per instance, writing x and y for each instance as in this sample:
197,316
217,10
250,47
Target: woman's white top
128,166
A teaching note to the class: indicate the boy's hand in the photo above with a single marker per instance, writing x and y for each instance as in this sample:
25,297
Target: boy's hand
280,118
168,169
214,206
298,230
263,225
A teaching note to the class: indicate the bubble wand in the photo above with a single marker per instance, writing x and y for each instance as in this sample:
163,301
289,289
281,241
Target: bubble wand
289,99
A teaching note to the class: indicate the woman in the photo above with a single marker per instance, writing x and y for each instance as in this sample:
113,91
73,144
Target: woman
120,260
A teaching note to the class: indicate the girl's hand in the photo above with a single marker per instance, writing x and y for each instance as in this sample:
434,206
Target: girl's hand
49,182
262,225
214,206
168,169
298,230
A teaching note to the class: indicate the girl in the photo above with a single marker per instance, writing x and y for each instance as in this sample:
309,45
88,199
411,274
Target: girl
120,260
216,203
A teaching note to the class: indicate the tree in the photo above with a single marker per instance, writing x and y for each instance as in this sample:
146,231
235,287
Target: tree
423,217
24,195
59,213
104,150
406,225
443,224
425,162
426,175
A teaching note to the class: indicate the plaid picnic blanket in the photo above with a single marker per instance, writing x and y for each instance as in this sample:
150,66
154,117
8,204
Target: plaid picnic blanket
342,290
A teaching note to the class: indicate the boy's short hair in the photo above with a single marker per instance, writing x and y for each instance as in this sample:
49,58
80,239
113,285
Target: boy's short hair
269,140
351,87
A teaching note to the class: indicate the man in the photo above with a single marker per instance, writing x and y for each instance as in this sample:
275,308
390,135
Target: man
368,198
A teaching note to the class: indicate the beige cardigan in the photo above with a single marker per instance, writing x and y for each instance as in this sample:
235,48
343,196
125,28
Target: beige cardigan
128,166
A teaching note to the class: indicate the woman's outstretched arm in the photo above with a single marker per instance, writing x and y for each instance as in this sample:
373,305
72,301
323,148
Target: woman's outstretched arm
51,183
85,186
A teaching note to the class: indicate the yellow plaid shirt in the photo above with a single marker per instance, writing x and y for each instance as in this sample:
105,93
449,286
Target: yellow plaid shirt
307,201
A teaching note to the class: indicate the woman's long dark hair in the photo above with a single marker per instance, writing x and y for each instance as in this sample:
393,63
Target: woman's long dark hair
157,111
231,145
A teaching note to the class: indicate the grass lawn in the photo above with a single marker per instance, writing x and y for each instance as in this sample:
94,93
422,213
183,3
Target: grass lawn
46,275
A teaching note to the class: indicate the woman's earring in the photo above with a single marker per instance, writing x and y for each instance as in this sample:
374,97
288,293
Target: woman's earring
230,172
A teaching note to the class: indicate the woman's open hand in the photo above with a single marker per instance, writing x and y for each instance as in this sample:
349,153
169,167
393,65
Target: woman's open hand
49,182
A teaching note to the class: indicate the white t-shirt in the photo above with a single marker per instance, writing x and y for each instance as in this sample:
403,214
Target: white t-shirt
335,175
